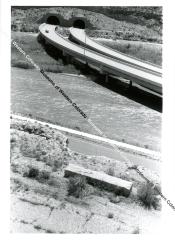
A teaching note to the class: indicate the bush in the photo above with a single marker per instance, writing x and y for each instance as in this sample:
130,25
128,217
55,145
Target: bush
77,186
147,195
22,64
136,230
110,215
14,27
49,152
110,171
53,69
32,173
43,176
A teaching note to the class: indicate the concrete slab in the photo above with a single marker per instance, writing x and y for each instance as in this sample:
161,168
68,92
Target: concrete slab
20,227
102,180
25,211
99,225
62,221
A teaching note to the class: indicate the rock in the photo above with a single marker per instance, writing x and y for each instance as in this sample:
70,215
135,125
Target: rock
115,199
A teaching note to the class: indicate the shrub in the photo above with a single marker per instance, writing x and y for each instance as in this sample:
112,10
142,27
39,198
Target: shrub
77,186
128,45
13,140
49,152
43,176
32,173
22,64
53,160
114,199
14,27
136,230
147,196
57,164
60,187
110,215
53,69
110,171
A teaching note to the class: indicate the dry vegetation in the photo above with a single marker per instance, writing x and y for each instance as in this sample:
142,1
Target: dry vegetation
147,27
32,47
39,156
38,152
148,52
146,16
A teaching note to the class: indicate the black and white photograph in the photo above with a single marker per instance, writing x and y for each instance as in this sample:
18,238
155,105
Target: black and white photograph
86,106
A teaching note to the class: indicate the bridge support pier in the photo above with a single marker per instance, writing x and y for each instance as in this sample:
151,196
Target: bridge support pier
106,78
46,42
67,57
130,84
64,53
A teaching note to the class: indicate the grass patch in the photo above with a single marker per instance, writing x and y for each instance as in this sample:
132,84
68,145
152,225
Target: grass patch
144,51
47,57
22,64
41,143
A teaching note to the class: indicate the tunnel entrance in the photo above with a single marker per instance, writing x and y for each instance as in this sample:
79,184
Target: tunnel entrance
79,24
53,20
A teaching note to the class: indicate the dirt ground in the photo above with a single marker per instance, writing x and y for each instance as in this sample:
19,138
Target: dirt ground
40,201
118,116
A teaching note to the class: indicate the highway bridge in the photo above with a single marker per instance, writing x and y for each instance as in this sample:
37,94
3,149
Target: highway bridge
79,35
144,74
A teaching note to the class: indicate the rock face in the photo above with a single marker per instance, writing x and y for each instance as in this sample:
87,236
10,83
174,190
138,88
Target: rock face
102,180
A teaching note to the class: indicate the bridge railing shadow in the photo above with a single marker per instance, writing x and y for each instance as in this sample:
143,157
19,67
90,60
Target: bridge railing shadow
135,93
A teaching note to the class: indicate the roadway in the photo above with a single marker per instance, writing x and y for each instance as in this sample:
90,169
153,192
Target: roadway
93,145
106,64
80,36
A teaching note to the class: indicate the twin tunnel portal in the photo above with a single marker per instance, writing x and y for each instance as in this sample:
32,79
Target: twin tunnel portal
77,23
